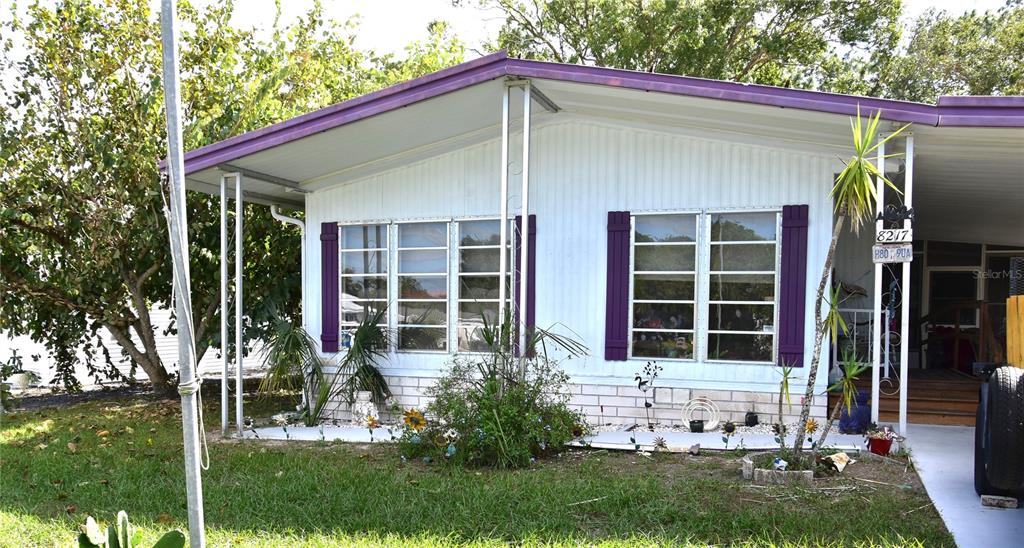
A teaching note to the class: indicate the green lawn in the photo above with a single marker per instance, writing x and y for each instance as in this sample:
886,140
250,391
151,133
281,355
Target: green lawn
273,494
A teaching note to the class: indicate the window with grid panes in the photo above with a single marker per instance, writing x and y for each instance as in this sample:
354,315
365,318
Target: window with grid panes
742,280
364,273
478,289
664,269
422,303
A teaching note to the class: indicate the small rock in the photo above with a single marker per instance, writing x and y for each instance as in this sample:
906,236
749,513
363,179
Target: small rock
998,502
695,449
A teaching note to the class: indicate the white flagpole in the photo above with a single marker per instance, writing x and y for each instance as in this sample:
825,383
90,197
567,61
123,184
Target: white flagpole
189,384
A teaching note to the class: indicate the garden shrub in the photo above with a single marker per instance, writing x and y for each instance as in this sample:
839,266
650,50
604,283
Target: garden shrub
493,410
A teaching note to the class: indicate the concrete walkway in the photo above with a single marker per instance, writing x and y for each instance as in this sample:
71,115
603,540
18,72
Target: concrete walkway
626,441
944,458
681,441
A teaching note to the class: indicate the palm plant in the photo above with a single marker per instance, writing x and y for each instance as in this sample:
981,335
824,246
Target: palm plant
852,370
358,367
291,354
854,197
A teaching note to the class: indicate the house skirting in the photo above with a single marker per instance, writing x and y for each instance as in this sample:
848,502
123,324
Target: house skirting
607,404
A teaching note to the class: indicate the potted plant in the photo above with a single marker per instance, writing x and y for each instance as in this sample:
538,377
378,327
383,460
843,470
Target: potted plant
15,374
880,439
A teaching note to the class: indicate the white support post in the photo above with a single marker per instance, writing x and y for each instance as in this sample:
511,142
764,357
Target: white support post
225,373
503,260
908,201
239,261
524,234
876,308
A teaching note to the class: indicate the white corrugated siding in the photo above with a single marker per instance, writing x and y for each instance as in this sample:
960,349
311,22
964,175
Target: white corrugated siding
580,170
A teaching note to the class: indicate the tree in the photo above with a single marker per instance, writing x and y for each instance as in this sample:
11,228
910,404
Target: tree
844,46
83,239
853,194
777,42
973,54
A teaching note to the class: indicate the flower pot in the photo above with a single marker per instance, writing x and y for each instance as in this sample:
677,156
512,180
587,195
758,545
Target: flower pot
21,380
750,419
697,425
879,446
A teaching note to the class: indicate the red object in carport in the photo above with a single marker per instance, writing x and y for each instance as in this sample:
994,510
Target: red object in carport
879,446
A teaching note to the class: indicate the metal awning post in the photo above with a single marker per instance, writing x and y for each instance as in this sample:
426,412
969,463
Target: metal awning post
188,385
503,259
876,309
239,261
224,402
908,201
524,239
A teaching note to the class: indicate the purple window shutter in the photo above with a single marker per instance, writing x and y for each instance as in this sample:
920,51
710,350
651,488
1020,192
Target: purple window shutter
616,321
531,280
329,287
793,283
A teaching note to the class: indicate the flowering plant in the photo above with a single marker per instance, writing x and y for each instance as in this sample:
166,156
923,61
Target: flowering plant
883,433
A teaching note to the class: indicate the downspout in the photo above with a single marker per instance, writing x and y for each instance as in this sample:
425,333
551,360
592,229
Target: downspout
276,213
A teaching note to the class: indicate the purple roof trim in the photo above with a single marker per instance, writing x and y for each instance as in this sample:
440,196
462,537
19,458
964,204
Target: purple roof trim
981,101
397,96
728,91
977,111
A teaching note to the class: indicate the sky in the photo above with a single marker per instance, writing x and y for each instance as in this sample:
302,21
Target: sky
388,26
383,31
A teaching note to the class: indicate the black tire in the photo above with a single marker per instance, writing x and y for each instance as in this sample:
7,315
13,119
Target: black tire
1004,435
981,484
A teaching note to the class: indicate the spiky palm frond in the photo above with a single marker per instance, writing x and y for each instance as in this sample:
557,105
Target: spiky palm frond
370,343
854,192
289,352
852,370
834,319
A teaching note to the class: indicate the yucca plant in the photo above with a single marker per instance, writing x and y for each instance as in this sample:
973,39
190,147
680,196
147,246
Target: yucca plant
852,370
854,197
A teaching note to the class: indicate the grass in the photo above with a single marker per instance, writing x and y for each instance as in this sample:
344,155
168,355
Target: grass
318,494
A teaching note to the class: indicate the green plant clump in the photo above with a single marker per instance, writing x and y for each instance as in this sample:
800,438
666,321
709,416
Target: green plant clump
497,409
123,535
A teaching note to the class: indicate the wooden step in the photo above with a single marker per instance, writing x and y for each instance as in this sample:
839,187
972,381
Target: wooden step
953,418
925,409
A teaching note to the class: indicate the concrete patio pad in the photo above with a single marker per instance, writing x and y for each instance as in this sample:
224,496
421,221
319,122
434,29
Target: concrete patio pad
944,458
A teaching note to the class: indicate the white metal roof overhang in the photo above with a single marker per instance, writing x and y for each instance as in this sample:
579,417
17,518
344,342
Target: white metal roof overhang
969,181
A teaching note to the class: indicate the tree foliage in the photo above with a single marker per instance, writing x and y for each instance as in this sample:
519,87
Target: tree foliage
847,46
775,42
83,239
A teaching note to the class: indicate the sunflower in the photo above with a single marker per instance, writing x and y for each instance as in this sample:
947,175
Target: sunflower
414,419
811,426
371,422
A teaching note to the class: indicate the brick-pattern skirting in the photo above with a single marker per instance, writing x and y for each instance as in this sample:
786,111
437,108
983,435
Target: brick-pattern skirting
604,404
607,404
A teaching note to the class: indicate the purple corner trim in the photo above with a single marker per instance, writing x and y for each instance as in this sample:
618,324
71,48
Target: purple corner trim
793,282
531,279
978,111
329,280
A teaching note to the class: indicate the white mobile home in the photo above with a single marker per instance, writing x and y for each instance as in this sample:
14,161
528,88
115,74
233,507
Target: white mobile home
668,218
